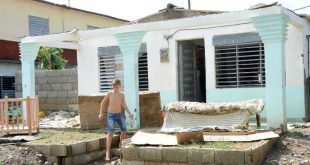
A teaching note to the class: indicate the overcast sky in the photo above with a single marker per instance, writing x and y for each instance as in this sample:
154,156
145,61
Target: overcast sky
135,9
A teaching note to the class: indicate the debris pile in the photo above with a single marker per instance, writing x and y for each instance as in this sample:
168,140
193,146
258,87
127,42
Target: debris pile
61,119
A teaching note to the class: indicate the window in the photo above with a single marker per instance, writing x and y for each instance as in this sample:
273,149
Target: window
38,26
240,65
111,67
89,27
7,87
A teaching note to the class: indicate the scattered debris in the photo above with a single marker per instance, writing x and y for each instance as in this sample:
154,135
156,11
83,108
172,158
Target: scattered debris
61,119
292,147
15,154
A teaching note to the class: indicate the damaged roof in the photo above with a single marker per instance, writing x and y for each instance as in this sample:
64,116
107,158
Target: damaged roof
174,12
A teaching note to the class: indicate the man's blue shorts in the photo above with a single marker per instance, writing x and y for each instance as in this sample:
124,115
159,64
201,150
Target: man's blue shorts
116,117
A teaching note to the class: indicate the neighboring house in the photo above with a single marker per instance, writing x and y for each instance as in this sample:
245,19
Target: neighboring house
20,18
231,56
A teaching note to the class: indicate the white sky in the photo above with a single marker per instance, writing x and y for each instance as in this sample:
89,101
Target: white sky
135,9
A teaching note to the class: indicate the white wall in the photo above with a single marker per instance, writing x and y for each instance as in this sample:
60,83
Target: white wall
294,52
163,75
9,69
88,64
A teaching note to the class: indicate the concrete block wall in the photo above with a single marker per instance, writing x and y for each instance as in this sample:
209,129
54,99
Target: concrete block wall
188,155
57,90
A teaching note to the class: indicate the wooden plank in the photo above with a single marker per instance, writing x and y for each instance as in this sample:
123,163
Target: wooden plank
6,112
28,104
190,137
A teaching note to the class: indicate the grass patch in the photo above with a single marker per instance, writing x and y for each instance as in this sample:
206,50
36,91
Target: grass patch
213,145
66,136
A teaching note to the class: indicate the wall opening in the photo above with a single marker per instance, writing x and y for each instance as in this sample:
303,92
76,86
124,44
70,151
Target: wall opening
191,69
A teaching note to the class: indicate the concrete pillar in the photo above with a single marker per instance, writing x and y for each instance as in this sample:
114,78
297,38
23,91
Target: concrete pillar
28,53
273,31
129,44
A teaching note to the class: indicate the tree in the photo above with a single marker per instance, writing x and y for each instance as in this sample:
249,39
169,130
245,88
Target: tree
51,58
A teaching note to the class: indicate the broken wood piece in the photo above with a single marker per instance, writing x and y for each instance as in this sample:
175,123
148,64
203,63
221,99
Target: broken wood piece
185,137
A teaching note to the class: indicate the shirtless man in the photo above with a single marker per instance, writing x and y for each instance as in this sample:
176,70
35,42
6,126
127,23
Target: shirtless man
116,102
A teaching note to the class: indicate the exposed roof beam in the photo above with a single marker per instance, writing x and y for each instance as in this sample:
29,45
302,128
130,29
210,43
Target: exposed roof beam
66,45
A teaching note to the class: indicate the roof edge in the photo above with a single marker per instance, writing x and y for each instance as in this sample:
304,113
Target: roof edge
80,10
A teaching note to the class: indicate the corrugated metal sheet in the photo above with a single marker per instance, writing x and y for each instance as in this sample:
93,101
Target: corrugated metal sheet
176,121
38,26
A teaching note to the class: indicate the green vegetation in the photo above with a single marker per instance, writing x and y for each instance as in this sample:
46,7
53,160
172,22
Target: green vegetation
51,58
65,136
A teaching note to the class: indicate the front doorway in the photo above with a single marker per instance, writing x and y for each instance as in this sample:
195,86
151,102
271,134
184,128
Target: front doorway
191,69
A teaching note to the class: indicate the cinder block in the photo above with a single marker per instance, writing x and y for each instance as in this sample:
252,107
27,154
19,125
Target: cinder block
51,94
179,163
201,155
53,159
51,80
62,94
66,160
77,148
44,149
41,80
40,73
92,145
72,79
53,73
46,87
173,154
73,93
229,157
75,85
73,100
56,87
66,86
150,154
59,150
62,107
130,153
102,143
67,72
85,158
42,94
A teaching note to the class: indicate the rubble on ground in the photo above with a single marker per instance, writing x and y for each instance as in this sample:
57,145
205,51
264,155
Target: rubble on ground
60,119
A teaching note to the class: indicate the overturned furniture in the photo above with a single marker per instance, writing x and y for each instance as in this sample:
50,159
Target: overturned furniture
182,116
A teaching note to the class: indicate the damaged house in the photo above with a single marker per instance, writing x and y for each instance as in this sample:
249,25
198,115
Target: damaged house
202,56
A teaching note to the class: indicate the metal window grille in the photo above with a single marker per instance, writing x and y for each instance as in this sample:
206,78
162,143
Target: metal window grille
241,65
38,26
111,67
7,87
107,72
143,72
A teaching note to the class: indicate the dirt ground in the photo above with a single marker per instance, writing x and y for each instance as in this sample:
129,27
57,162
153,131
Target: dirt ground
13,154
293,148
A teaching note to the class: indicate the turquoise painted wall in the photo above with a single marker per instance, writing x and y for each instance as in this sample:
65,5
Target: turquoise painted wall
295,102
167,96
294,98
235,94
